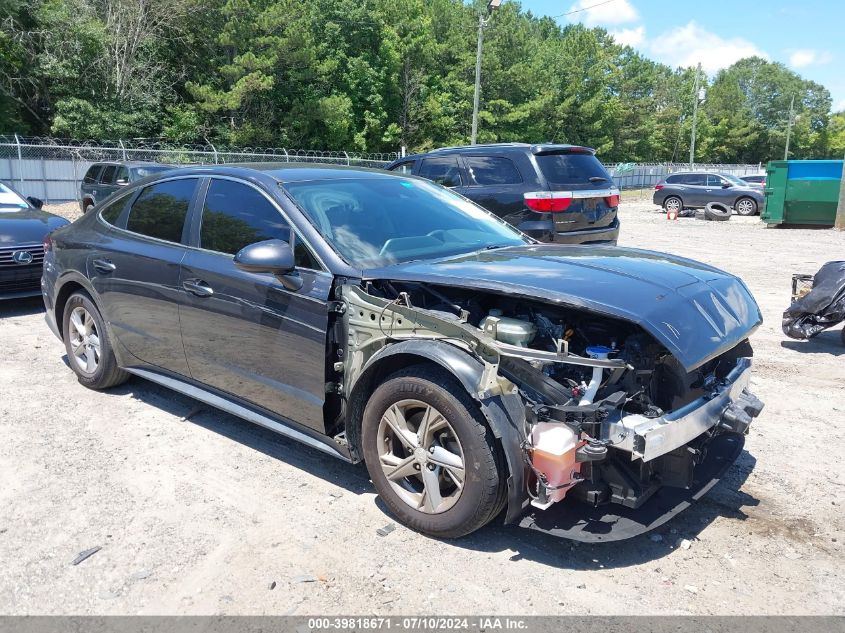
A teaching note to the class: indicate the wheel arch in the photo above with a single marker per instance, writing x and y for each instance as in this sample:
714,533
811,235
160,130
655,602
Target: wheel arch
745,196
504,413
67,286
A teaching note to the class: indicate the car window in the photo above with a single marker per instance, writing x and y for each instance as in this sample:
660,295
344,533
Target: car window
403,168
122,177
443,170
91,174
107,177
570,169
235,215
673,180
161,209
111,212
714,181
698,180
147,170
492,170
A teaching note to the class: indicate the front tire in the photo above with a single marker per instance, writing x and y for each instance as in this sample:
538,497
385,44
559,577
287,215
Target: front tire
89,349
432,458
673,203
746,206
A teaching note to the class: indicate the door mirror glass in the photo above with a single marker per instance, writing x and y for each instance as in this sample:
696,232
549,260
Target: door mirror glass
726,184
270,256
35,202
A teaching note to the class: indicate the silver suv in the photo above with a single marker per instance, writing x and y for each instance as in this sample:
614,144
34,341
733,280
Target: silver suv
695,189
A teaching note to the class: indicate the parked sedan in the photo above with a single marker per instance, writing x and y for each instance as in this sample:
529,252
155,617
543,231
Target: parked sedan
588,391
695,189
758,180
23,228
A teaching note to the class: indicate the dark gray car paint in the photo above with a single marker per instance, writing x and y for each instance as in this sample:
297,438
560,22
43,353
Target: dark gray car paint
695,310
267,349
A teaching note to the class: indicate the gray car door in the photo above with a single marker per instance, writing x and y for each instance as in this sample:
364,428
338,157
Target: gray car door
715,190
695,186
246,333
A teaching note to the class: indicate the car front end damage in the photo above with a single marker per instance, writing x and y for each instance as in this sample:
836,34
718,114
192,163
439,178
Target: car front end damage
606,434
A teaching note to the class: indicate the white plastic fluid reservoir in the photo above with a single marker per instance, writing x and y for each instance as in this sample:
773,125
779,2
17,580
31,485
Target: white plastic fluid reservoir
554,455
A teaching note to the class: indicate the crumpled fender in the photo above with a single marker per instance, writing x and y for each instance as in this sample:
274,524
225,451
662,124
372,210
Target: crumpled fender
505,413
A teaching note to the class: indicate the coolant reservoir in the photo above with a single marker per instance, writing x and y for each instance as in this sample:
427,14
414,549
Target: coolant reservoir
554,456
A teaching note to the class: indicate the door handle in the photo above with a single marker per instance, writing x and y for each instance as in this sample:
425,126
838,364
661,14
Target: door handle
104,266
198,287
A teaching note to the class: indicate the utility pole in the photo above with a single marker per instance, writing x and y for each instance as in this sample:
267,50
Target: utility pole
697,98
839,222
789,127
482,23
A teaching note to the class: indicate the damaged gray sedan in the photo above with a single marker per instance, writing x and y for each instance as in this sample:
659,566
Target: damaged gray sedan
591,392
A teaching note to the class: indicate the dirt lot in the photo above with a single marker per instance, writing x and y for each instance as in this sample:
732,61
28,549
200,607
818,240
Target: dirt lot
202,516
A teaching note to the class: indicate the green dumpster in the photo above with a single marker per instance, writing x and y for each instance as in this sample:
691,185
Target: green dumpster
802,191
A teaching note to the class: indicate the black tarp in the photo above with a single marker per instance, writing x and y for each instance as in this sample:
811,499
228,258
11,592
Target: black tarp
822,307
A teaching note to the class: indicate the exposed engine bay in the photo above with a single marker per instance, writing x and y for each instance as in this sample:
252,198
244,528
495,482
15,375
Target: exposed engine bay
610,415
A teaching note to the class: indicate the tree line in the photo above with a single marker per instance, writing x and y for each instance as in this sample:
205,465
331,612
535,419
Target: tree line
374,75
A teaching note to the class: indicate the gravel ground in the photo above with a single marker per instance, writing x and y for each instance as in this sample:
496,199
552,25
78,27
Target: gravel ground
204,516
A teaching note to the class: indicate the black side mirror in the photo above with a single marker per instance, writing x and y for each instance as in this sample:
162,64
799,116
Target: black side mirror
271,256
726,185
35,202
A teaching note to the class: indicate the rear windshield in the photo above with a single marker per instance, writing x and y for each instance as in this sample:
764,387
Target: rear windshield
570,169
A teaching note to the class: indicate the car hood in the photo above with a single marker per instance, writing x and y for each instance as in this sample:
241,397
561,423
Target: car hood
27,226
698,312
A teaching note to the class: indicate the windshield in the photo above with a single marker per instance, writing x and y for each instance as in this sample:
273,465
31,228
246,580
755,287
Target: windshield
10,201
147,170
378,221
735,180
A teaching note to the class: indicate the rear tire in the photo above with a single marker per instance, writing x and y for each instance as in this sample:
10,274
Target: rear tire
673,203
458,460
746,206
89,349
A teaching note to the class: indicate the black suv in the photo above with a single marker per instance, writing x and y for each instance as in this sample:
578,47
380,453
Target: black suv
554,193
103,179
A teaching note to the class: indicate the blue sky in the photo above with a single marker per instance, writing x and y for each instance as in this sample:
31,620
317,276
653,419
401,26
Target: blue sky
803,34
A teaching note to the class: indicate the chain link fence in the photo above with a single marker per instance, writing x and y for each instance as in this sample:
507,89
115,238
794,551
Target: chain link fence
52,169
646,175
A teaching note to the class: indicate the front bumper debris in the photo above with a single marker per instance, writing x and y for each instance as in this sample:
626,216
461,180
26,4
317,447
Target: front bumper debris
614,522
729,405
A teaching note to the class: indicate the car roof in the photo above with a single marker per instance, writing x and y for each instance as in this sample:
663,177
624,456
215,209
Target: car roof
286,172
534,148
132,163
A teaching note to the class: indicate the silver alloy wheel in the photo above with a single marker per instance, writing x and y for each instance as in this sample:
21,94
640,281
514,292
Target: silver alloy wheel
84,340
673,204
745,207
421,456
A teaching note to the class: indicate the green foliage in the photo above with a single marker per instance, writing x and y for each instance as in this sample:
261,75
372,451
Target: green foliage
378,74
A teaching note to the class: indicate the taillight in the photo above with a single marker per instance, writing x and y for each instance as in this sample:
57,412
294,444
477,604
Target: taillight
612,201
548,201
659,187
47,243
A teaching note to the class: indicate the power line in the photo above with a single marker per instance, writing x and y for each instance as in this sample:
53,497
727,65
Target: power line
592,6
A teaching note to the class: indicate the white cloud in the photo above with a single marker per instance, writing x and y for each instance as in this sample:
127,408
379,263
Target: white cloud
801,57
692,44
629,37
593,14
839,106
